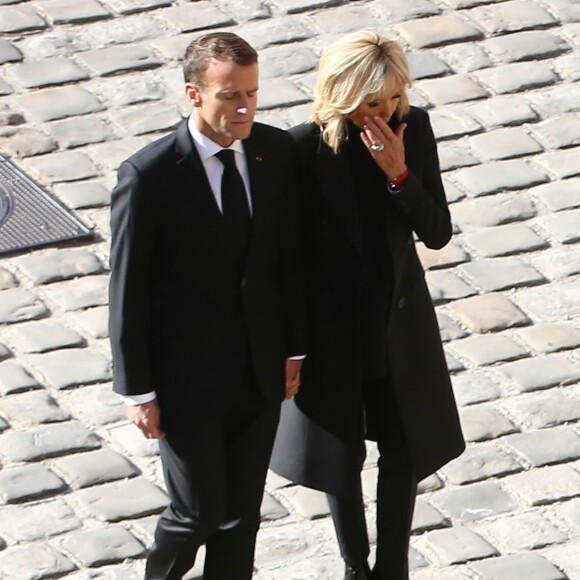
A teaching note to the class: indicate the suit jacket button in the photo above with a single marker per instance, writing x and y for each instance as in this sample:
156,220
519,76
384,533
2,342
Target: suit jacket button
401,302
243,283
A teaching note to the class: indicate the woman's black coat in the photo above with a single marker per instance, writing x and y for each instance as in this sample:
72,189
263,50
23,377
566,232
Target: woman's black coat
318,442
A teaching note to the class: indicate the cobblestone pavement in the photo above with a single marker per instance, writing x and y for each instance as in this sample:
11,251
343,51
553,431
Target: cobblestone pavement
85,83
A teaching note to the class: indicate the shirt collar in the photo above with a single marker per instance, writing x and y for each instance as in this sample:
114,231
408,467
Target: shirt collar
205,146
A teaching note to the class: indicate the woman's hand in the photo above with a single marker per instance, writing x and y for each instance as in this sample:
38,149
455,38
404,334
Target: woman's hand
391,156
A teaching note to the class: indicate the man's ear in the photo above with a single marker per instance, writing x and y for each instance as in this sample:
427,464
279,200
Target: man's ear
193,94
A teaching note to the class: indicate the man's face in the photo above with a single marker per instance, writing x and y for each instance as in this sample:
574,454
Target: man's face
224,108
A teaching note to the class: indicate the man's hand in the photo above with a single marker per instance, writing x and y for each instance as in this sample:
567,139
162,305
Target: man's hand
293,368
146,417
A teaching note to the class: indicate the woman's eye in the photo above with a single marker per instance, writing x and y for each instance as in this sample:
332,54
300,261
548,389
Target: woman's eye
373,104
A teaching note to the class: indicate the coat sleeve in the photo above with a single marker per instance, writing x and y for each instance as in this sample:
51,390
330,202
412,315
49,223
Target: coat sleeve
422,199
132,239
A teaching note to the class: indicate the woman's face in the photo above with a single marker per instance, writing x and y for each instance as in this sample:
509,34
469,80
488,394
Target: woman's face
382,106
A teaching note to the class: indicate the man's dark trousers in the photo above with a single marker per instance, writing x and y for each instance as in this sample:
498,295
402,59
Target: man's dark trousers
215,475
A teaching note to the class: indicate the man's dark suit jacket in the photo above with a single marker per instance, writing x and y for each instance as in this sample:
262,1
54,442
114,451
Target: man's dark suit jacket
184,320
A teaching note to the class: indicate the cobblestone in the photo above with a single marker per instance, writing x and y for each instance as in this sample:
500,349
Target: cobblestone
542,410
559,196
79,293
198,16
504,240
471,389
38,74
22,142
29,481
529,45
437,30
527,565
487,350
504,144
115,60
563,227
33,562
484,422
14,378
19,304
19,19
551,337
456,89
458,545
32,409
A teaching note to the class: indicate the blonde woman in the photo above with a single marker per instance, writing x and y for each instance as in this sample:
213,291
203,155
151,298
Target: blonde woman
375,367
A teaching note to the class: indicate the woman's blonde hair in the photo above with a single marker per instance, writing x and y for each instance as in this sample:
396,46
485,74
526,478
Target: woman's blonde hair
352,69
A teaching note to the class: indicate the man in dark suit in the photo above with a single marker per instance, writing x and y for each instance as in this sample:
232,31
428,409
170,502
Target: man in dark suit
206,309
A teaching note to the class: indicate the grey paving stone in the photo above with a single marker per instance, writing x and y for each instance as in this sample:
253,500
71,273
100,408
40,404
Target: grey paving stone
446,285
25,142
527,45
565,10
400,11
41,73
453,155
102,546
452,121
283,30
79,293
287,542
551,337
119,59
125,30
4,351
344,19
557,100
318,567
511,16
131,6
437,30
53,265
15,378
7,279
503,110
114,572
54,43
9,117
39,521
83,195
475,502
570,512
487,313
561,303
562,226
122,91
308,502
117,501
484,422
542,410
416,559
561,132
70,133
435,574
113,153
72,367
148,118
5,88
131,440
34,562
540,372
296,6
35,337
95,321
429,484
487,350
63,12
566,557
280,93
547,485
500,274
280,61
32,409
271,509
62,166
196,16
500,176
562,163
9,52
95,467
533,532
19,19
459,545
47,441
173,47
568,67
465,57
504,240
426,517
369,479
473,388
480,462
504,144
58,103
19,484
19,304
96,404
527,565
247,9
453,89
451,255
545,447
454,365
559,195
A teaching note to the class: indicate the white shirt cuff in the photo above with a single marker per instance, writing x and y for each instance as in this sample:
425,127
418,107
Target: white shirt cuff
139,399
297,357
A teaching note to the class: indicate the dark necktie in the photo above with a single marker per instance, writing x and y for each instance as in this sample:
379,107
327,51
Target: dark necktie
235,209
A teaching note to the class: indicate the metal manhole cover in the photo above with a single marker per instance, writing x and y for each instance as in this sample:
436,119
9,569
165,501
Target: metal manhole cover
30,216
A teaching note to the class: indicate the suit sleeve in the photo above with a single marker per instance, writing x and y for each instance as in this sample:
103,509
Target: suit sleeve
132,240
422,200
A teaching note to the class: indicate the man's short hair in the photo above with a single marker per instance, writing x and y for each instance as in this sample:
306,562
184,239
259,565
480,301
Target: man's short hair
217,45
